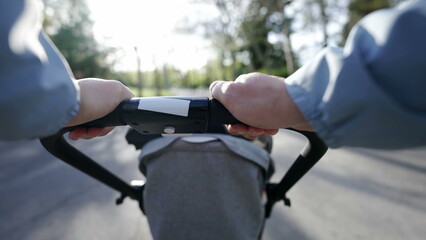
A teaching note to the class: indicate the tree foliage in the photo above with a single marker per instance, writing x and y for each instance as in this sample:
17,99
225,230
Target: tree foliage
254,35
69,26
247,36
360,8
260,20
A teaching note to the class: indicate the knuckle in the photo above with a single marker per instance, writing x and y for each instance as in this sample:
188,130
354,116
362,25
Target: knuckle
232,92
120,90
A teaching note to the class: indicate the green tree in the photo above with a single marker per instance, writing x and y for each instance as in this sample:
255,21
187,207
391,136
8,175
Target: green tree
360,8
240,35
69,26
262,18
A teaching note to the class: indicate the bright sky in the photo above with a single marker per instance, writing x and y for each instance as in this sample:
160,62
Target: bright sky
149,25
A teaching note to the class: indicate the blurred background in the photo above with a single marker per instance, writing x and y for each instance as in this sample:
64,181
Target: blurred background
157,46
177,47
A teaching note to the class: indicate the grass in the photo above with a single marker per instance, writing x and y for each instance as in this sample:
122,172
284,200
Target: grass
150,92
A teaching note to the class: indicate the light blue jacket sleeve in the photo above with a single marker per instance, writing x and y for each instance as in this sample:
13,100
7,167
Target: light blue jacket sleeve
372,93
37,92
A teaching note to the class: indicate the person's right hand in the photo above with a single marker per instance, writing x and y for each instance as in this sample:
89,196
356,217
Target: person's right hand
261,102
97,98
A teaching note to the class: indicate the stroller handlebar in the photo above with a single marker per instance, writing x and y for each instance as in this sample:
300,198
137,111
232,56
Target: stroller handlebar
158,115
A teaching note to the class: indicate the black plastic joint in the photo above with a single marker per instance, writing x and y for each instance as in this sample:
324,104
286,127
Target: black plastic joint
287,201
120,199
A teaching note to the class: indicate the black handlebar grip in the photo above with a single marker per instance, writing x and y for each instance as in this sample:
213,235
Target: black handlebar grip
218,114
114,118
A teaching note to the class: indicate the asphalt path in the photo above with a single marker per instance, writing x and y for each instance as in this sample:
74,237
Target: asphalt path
349,194
352,194
43,198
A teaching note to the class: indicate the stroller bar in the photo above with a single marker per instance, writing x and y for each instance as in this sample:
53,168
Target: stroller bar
60,148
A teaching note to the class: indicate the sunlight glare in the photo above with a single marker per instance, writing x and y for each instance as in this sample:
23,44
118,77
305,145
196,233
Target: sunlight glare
150,26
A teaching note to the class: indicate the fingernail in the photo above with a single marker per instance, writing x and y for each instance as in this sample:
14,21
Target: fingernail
71,136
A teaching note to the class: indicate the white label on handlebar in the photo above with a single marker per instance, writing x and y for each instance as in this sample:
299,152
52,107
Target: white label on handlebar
178,107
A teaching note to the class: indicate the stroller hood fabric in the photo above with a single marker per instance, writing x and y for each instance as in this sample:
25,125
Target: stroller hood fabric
207,186
240,147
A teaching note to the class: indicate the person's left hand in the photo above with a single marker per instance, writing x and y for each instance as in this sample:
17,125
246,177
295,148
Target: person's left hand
97,98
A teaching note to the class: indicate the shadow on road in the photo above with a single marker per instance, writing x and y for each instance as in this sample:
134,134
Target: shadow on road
43,198
351,194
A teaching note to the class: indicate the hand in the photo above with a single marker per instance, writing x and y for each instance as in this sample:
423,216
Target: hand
261,102
97,98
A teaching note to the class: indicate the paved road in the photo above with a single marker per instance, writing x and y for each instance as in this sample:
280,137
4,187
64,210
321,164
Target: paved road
42,198
350,194
353,194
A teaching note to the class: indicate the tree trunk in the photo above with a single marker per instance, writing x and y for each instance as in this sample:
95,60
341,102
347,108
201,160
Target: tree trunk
287,48
324,19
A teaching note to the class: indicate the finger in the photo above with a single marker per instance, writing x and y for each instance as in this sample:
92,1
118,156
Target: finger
106,130
250,132
93,132
271,132
245,131
218,89
77,133
249,136
98,132
237,129
88,133
254,132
